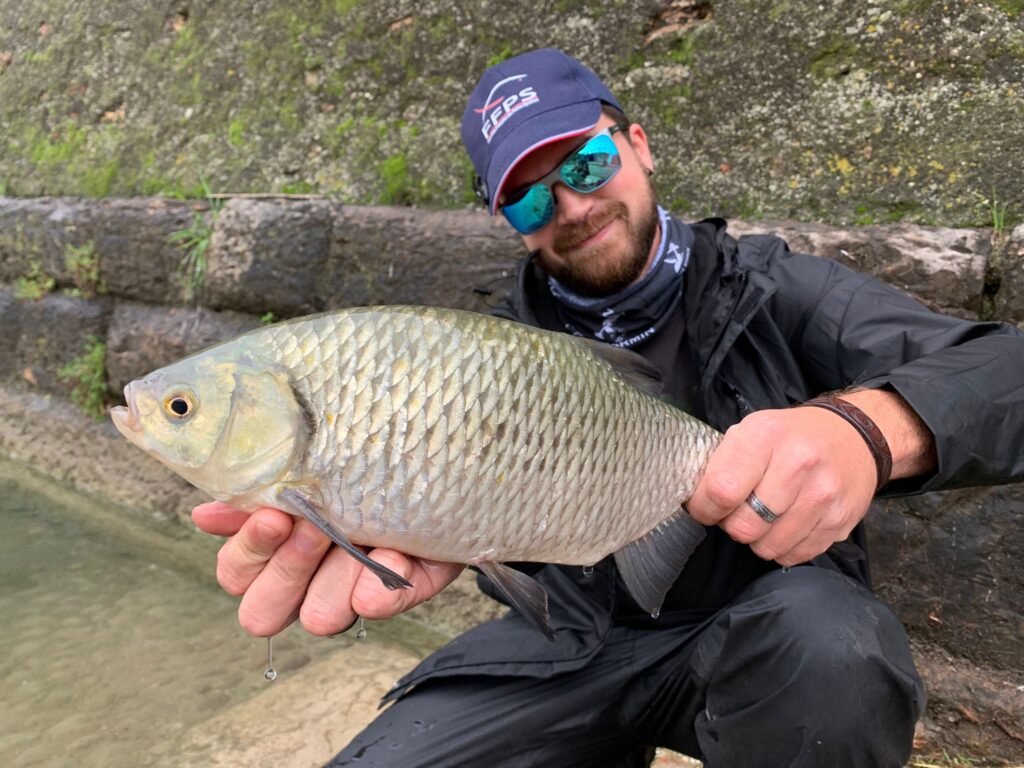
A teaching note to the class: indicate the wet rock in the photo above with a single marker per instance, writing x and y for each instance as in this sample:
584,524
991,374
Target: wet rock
948,563
143,338
971,709
56,438
401,256
268,256
1007,272
944,268
46,334
127,238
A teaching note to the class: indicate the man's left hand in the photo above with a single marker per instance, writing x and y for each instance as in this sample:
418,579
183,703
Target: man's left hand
809,467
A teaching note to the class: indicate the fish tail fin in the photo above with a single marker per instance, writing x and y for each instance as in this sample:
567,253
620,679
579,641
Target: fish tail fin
526,595
650,565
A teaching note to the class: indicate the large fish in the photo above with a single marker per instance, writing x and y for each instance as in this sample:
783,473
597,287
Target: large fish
443,434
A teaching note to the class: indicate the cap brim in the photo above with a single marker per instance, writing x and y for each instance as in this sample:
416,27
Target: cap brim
540,129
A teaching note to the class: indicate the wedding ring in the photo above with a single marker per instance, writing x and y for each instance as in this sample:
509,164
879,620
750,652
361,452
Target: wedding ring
761,508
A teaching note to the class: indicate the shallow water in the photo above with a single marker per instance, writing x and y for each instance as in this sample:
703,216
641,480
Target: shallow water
112,649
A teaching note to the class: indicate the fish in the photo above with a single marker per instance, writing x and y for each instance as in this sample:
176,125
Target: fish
445,434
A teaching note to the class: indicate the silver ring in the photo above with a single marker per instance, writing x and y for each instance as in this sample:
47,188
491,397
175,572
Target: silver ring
761,508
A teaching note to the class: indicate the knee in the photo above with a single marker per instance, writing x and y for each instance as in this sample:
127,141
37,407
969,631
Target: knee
828,645
812,667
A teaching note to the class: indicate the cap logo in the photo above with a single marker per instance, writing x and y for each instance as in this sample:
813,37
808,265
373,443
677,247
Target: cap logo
501,104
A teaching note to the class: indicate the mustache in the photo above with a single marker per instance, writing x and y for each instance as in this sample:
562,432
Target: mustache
572,235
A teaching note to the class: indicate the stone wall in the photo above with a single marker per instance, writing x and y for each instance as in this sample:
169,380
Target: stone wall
74,273
837,110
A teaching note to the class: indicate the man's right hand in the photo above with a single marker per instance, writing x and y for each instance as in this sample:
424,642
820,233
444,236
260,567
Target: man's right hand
285,569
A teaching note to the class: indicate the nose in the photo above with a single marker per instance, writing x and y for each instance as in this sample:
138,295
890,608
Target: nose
571,205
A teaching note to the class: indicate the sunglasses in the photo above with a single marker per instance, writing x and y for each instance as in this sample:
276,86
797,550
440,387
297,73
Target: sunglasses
586,170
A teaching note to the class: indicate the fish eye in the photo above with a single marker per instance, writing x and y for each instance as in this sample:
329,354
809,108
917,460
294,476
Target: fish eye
179,405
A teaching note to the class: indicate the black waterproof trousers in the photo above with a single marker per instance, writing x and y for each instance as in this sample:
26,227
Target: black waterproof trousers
805,668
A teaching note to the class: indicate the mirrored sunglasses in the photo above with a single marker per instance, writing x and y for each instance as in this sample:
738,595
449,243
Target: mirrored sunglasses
586,170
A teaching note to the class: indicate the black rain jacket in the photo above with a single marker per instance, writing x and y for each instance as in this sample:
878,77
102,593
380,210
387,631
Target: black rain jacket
767,328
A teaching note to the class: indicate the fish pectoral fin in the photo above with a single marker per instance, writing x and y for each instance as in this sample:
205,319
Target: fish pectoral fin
296,503
526,595
650,565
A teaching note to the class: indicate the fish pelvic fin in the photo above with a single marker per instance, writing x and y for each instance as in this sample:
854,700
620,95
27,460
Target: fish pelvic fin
650,565
526,595
298,504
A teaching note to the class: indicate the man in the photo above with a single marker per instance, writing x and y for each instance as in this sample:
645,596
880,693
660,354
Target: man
752,661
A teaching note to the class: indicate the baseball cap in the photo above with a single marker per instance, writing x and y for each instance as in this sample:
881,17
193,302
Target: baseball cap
523,103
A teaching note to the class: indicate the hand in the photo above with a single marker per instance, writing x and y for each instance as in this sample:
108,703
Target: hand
809,466
285,569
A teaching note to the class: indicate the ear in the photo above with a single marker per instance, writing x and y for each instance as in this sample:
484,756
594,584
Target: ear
638,140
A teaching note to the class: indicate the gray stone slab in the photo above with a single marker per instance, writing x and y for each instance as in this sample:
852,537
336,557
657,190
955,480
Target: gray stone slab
944,268
143,338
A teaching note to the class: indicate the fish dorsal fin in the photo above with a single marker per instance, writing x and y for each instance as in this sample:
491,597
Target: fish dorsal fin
631,367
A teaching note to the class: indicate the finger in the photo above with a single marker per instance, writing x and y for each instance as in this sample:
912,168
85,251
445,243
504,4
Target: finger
219,518
372,599
327,609
735,467
812,545
245,554
277,592
806,530
776,492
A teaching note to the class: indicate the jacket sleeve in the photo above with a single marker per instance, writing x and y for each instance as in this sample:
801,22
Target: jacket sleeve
964,379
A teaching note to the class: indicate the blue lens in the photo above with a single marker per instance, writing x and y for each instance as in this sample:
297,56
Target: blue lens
586,170
593,166
532,211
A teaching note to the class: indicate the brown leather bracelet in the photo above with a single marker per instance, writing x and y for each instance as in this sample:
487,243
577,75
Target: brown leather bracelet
872,435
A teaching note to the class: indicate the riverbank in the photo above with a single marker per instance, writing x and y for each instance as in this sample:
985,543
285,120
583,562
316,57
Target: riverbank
93,293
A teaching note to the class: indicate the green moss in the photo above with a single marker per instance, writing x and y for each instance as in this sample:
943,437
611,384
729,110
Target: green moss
298,188
99,180
236,133
1012,8
34,284
57,148
685,47
83,263
911,8
504,54
779,11
394,174
834,59
87,375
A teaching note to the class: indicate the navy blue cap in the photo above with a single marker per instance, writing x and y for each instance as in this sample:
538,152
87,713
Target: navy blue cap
523,103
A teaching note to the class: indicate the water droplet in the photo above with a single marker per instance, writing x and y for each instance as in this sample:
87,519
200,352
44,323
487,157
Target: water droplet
588,571
270,674
785,569
361,632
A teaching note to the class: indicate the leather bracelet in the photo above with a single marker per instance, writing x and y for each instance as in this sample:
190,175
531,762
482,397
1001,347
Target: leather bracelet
872,435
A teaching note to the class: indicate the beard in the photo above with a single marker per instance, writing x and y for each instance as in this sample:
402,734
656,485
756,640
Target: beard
598,271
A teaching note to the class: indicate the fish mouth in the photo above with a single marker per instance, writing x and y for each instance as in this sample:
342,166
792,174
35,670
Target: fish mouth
126,418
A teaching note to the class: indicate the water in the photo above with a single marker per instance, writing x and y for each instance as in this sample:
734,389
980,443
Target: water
113,644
